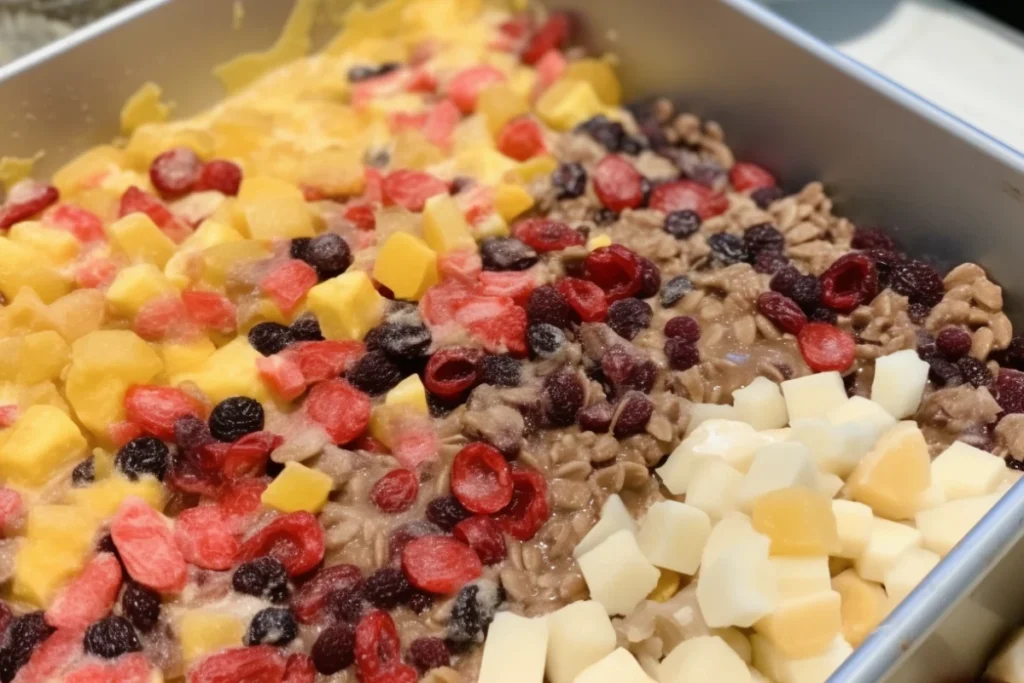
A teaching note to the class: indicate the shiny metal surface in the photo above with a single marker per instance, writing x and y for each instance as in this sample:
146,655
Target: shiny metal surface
785,100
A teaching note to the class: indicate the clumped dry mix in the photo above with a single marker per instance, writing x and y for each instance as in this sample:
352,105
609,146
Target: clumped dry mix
424,358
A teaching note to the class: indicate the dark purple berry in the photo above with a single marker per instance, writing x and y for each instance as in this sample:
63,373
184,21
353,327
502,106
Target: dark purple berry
141,456
374,374
650,279
570,180
885,262
632,415
111,637
547,305
682,224
764,196
805,290
823,315
334,649
627,370
727,249
24,634
401,341
329,254
563,394
1013,355
191,433
84,473
918,281
235,417
596,418
953,342
348,604
770,262
683,327
975,372
917,312
763,237
628,316
297,247
872,238
141,606
681,355
605,216
1010,390
420,601
706,172
272,626
265,577
269,338
501,371
307,328
944,373
506,253
428,653
610,134
544,340
674,290
446,512
387,587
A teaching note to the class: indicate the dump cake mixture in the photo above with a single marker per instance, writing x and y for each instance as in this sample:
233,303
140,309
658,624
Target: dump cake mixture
427,358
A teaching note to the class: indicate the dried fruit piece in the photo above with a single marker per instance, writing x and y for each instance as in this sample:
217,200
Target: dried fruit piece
683,327
552,35
145,543
82,223
439,564
205,538
483,535
687,194
464,88
141,456
320,360
296,539
300,668
156,409
287,284
587,299
111,637
270,338
746,176
378,651
628,316
852,280
570,180
632,415
446,512
272,626
545,235
521,139
529,507
480,479
89,596
259,664
953,342
618,184
310,599
396,491
782,311
210,310
411,189
918,281
334,649
234,417
682,224
140,606
343,411
452,371
136,200
175,172
563,397
24,200
248,456
826,347
220,175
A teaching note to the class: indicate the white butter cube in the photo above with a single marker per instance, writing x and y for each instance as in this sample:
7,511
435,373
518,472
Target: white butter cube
861,409
614,517
888,540
617,667
836,448
735,528
1008,664
713,487
579,635
830,484
899,382
776,466
695,660
908,571
799,576
702,412
673,536
515,650
760,404
944,526
853,524
731,441
737,640
738,588
804,626
617,573
813,395
964,471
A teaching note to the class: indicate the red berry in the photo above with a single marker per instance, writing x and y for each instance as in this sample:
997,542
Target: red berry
826,347
411,189
220,175
953,342
618,185
210,310
299,669
521,139
745,176
483,535
240,501
8,415
616,270
135,200
462,266
11,508
480,479
175,171
396,491
82,223
529,508
552,35
361,215
287,284
683,327
296,539
259,664
497,323
545,234
467,85
89,596
683,195
24,200
283,375
146,545
850,281
378,651
322,360
164,318
1010,390
205,538
549,68
50,657
514,285
452,371
156,408
782,311
439,564
343,411
310,599
586,298
440,123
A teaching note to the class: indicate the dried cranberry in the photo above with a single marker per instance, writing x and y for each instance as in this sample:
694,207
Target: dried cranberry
628,370
501,371
618,184
480,479
782,311
596,418
650,278
506,253
563,394
570,180
953,342
269,338
683,327
446,512
374,374
682,224
727,249
553,34
805,290
334,649
1010,390
440,564
628,316
396,491
849,282
387,588
826,347
975,372
350,604
681,355
632,415
944,373
687,194
310,599
872,238
529,508
763,237
428,653
483,535
586,300
175,171
764,196
220,175
918,281
770,262
191,433
675,289
24,200
453,371
296,539
546,235
548,305
615,269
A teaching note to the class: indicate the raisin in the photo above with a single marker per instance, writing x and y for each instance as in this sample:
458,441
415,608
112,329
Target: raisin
297,247
1013,355
975,372
1014,464
506,253
953,342
596,418
24,634
674,290
682,224
917,312
387,588
420,601
770,262
764,196
570,180
272,626
348,604
563,392
850,281
782,311
269,338
763,237
501,371
604,216
633,413
681,355
727,249
1010,390
805,290
885,262
446,512
609,134
84,473
545,340
547,305
683,327
235,417
918,281
191,433
111,637
650,278
265,577
872,238
329,254
628,316
944,373
141,606
307,328
428,653
823,315
334,649
472,612
374,374
628,370
143,455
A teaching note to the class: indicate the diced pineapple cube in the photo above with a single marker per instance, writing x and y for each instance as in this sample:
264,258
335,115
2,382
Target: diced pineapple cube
40,443
863,605
892,477
152,139
598,241
567,103
799,521
511,200
25,313
102,498
410,394
231,371
406,266
185,356
298,487
600,75
534,168
413,150
86,168
138,236
335,171
57,247
21,267
78,313
444,227
277,218
143,106
44,393
470,133
44,355
220,259
41,568
804,626
137,285
211,232
499,104
492,225
489,166
203,631
347,306
63,526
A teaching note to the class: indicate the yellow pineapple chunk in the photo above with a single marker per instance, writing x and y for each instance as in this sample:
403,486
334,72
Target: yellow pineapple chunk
298,487
413,150
231,214
406,266
44,393
347,306
25,313
264,311
489,166
492,225
230,371
803,626
892,477
143,106
864,605
384,420
63,526
211,232
102,498
56,247
798,521
511,200
534,168
86,168
445,228
276,218
219,259
185,356
40,443
471,133
599,240
334,171
410,394
135,286
499,104
568,103
138,236
667,586
36,357
40,568
523,80
600,75
21,266
259,187
203,631
78,313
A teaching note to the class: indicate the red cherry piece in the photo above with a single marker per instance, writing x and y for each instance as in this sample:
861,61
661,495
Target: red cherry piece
483,535
162,319
210,310
415,442
239,502
549,68
552,35
586,298
852,280
521,139
782,311
452,371
259,664
411,189
322,360
826,347
515,285
618,185
745,176
360,215
396,491
123,432
545,234
146,545
9,415
299,669
287,284
248,456
205,538
135,200
462,266
467,85
283,375
129,668
373,190
89,596
529,509
370,445
24,200
175,171
296,539
480,479
616,270
309,600
156,408
52,656
439,564
378,651
95,273
220,175
688,195
342,410
82,223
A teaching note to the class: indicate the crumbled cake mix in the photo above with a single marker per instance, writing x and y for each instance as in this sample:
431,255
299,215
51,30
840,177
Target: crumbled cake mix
425,358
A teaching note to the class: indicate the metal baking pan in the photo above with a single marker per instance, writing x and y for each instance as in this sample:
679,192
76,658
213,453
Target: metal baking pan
786,101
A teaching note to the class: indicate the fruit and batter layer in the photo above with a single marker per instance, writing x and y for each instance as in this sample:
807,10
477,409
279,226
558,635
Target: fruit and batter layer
423,358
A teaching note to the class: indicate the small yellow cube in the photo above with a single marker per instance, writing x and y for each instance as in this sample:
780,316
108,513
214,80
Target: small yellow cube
186,356
63,526
534,168
138,236
78,313
523,80
347,306
568,103
40,443
56,247
803,626
798,521
406,266
26,313
298,487
445,228
183,268
135,286
277,218
259,187
471,133
143,106
211,233
599,74
219,259
499,104
894,474
512,200
489,166
598,241
384,420
41,568
102,498
409,393
44,355
204,631
231,371
85,168
21,266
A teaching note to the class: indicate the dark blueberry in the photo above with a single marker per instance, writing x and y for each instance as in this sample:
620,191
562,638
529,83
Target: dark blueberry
544,340
975,372
805,290
329,254
84,472
605,216
917,281
872,238
506,253
298,246
770,262
823,315
682,224
334,649
501,371
272,626
235,417
547,305
784,281
401,341
763,237
349,604
269,338
472,612
387,587
674,290
632,415
610,134
365,72
265,577
727,249
650,279
446,512
140,606
596,418
953,342
706,172
111,637
563,393
570,180
681,355
24,634
917,312
191,433
944,373
420,601
307,328
628,316
1013,355
683,327
143,455
374,374
428,653
764,196
627,370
